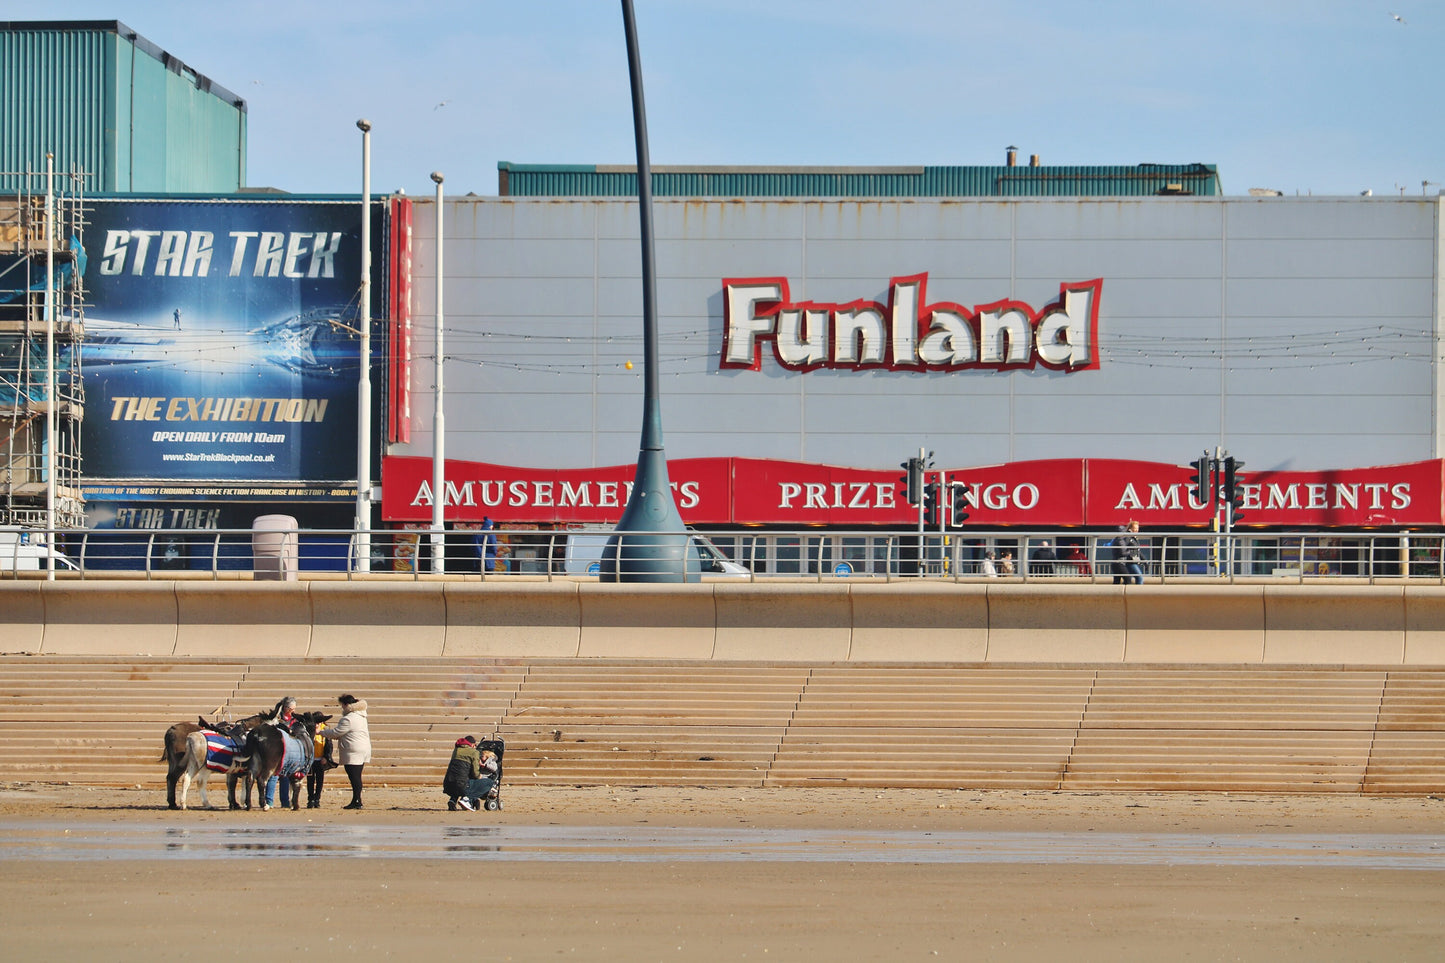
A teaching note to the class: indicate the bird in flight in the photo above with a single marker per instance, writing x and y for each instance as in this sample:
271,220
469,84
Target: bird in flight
1397,18
441,105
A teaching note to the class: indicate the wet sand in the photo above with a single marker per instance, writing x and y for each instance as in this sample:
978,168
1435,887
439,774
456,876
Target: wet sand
380,908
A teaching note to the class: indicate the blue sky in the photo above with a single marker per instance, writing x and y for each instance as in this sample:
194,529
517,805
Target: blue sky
1302,96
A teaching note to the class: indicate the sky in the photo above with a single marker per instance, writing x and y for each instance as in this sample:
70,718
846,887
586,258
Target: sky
1299,96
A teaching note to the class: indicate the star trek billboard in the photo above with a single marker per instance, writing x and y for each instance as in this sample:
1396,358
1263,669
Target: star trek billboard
221,339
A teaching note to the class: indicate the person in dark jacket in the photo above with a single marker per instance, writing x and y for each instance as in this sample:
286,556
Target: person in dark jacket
1128,559
470,775
1043,559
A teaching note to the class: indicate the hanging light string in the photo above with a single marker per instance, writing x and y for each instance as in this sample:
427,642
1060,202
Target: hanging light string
694,350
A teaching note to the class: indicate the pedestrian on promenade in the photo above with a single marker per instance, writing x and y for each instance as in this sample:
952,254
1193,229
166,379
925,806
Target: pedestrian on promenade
1043,559
1129,561
486,542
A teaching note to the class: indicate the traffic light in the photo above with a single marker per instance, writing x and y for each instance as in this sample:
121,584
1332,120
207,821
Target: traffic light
1201,486
930,504
912,480
1234,485
961,502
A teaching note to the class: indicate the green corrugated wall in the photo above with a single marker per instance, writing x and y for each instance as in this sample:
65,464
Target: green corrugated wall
53,98
557,180
107,101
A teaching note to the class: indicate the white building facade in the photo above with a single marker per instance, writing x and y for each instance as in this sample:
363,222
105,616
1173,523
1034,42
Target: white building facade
1074,353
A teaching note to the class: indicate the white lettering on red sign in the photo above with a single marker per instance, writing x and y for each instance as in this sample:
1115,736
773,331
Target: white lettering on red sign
1268,496
547,493
998,496
837,495
908,334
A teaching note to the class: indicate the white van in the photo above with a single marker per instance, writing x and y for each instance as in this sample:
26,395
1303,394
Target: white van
23,550
584,556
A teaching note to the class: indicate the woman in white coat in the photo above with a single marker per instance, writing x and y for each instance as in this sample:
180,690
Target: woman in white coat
352,737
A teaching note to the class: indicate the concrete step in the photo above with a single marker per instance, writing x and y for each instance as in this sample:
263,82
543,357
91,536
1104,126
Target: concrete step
632,722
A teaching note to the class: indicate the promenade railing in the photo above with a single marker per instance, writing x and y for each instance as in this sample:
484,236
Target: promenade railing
751,554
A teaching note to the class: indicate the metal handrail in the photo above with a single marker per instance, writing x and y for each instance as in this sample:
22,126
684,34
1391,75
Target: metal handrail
1169,556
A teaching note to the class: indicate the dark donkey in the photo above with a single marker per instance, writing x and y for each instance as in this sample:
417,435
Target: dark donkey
271,750
173,751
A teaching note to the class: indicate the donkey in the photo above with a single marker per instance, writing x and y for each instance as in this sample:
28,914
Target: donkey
175,746
272,751
209,749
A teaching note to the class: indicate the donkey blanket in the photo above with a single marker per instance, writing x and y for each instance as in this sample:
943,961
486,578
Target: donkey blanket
220,749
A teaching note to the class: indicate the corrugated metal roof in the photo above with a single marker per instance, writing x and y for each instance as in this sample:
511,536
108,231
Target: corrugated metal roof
598,180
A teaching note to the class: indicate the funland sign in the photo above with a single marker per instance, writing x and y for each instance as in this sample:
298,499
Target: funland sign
1036,494
908,333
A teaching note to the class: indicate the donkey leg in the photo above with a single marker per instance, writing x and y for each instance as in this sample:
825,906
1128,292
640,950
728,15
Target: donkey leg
175,767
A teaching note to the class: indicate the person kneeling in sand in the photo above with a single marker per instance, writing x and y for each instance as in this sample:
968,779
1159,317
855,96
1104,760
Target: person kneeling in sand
464,782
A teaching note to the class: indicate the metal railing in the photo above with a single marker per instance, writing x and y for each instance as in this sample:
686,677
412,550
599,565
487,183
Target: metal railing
749,554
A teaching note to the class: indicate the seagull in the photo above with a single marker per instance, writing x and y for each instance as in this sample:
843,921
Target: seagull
1397,18
441,105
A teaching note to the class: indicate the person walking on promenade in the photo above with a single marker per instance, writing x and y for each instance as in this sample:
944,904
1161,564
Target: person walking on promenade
486,542
1129,564
1043,559
352,738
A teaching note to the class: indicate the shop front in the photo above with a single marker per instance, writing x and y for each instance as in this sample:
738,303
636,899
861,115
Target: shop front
790,518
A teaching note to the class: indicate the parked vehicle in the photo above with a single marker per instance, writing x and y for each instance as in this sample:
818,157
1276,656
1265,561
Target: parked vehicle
583,556
22,550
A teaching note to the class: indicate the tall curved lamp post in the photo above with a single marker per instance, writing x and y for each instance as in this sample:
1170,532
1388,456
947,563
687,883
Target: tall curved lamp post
361,561
439,421
650,543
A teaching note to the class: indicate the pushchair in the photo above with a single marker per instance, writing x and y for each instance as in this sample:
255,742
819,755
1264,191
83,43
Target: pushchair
493,799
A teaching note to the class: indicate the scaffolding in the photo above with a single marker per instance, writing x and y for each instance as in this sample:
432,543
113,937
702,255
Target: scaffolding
26,455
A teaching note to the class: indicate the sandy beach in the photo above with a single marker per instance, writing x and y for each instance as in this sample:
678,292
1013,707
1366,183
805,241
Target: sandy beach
119,908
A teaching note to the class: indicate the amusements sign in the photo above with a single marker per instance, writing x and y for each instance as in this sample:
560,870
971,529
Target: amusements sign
1046,493
220,340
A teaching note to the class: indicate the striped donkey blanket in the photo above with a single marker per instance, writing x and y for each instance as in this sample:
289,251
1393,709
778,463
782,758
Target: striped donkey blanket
220,749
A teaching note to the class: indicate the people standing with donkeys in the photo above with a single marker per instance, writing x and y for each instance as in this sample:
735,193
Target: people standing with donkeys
352,737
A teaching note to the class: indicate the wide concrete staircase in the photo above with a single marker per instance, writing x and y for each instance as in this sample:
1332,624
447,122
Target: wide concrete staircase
571,722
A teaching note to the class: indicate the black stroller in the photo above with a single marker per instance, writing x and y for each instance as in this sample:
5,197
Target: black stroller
493,799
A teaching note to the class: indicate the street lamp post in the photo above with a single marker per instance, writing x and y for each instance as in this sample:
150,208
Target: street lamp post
664,556
438,434
50,429
362,562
